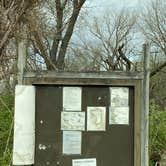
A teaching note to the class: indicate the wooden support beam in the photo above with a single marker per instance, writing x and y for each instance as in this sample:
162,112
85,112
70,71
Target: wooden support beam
21,60
145,108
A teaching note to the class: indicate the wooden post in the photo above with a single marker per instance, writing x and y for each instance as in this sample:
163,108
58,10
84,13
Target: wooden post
145,107
21,60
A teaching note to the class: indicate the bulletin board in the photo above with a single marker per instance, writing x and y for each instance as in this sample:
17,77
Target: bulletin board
87,119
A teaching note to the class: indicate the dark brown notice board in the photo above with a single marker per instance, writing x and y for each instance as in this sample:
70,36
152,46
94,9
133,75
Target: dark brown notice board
113,147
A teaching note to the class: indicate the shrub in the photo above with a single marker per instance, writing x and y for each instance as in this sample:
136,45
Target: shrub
157,131
6,127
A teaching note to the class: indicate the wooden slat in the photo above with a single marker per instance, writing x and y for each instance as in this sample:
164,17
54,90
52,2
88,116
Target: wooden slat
72,78
137,123
115,75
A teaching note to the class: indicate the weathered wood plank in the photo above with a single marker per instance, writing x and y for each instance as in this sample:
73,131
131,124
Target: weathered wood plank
115,75
21,61
79,78
77,81
137,123
145,108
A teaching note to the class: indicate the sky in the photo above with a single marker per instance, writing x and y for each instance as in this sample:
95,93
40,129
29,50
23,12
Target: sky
116,3
98,6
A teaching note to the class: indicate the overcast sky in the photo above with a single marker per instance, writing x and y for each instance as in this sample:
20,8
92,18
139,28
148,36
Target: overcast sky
99,6
117,3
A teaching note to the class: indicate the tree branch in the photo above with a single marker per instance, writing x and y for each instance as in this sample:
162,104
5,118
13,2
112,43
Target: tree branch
77,4
158,69
129,63
43,50
58,35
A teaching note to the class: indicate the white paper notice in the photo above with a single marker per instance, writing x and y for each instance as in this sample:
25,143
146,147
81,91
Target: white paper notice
119,115
72,142
24,125
96,118
72,98
119,96
84,162
72,120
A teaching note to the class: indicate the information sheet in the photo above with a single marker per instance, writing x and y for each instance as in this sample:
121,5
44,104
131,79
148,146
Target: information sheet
73,120
72,142
96,118
119,96
119,115
84,162
72,98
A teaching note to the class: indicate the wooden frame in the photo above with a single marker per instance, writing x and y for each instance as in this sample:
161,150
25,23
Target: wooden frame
98,78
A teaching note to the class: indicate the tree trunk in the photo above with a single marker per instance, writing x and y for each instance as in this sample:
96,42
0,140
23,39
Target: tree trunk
60,64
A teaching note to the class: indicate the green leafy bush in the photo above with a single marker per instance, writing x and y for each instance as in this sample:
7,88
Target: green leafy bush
157,130
6,159
6,128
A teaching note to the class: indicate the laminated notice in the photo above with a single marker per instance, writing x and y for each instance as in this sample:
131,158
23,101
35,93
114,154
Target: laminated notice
119,96
84,162
72,98
72,120
72,142
96,118
119,115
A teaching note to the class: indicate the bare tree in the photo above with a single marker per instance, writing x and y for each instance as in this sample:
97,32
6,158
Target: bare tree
64,15
110,41
11,14
48,27
153,27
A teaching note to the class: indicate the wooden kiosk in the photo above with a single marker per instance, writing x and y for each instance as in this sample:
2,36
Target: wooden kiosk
65,134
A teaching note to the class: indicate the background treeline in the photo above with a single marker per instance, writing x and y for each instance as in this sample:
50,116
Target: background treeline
66,35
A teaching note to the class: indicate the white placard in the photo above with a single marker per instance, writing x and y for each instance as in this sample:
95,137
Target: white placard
119,96
84,162
24,125
72,142
96,118
72,98
72,120
119,115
